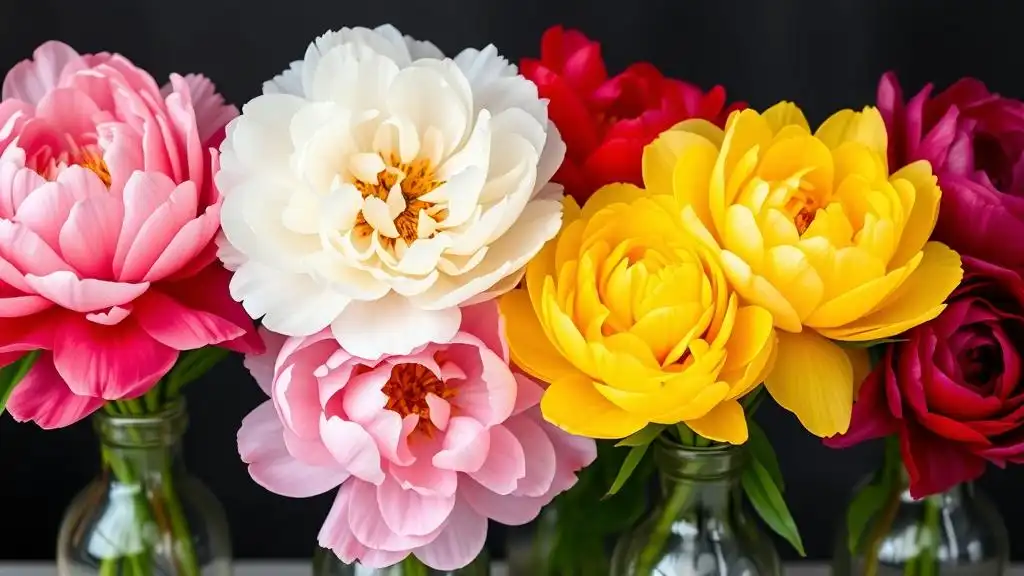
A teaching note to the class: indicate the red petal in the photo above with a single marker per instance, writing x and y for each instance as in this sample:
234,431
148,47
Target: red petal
208,292
935,465
871,416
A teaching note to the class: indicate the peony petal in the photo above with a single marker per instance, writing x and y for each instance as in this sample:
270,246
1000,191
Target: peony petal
724,423
409,513
461,540
392,325
505,464
353,448
173,324
540,456
485,321
574,405
261,445
89,295
88,238
507,509
44,398
528,395
368,526
30,80
364,399
813,378
530,348
465,446
110,362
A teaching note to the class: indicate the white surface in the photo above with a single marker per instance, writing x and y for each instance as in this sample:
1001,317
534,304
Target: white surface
292,568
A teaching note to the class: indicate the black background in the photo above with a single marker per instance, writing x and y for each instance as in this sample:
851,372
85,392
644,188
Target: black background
823,54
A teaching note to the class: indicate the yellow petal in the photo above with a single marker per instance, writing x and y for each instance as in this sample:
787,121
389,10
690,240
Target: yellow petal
564,335
528,345
661,157
746,378
758,291
702,127
742,237
789,270
663,328
611,194
794,156
861,362
751,332
864,127
698,407
857,303
918,300
572,404
854,158
691,176
588,311
724,423
625,362
924,213
813,378
746,131
785,114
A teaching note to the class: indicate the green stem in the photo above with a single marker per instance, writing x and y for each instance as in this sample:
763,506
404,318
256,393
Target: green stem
183,548
412,566
138,564
924,564
652,551
108,567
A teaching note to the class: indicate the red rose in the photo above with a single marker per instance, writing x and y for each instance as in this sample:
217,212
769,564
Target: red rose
606,122
974,140
952,390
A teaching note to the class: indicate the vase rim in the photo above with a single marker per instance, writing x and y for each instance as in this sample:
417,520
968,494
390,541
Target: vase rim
698,463
143,430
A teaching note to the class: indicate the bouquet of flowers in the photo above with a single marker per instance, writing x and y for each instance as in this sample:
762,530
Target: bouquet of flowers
948,393
111,295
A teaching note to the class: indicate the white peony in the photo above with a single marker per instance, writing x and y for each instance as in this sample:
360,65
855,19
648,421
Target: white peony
376,186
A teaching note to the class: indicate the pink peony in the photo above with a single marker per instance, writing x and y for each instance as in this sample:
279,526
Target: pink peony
107,218
426,447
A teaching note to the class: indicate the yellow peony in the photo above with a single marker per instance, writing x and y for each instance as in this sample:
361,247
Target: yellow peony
813,228
631,320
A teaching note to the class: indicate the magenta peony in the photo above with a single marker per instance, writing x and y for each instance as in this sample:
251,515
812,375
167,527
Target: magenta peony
974,140
108,213
425,447
952,389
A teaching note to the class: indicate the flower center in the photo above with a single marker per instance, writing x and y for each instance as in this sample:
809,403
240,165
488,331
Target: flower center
412,216
407,391
49,165
94,161
801,207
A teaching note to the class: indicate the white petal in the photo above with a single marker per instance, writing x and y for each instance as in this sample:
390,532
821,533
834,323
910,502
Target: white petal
425,225
303,213
287,82
290,304
392,325
424,96
551,156
251,218
259,137
476,151
518,121
354,78
396,200
406,286
376,213
457,264
334,271
365,166
397,135
339,210
461,194
421,258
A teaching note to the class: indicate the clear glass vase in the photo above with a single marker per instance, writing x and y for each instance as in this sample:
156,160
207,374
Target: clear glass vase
144,515
956,533
699,526
326,563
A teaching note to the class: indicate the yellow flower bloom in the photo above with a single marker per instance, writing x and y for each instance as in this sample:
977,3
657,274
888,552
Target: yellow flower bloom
631,321
813,228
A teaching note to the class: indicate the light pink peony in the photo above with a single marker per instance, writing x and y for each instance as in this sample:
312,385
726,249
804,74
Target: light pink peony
426,447
107,218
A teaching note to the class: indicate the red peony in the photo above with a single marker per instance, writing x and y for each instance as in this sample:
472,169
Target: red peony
974,140
606,122
953,389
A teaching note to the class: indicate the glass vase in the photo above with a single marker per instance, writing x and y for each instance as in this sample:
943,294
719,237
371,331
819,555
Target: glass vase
144,515
699,526
326,563
955,533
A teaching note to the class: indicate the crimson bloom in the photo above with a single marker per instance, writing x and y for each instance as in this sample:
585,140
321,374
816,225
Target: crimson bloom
974,140
606,122
952,388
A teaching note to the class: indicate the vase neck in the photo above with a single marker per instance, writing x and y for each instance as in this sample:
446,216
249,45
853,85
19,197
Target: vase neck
704,477
135,448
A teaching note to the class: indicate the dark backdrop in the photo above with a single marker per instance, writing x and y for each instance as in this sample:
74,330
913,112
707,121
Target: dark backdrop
823,54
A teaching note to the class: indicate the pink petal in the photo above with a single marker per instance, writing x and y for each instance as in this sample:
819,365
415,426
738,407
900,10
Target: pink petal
45,209
180,327
16,306
211,113
465,447
261,366
261,445
89,236
574,452
122,153
112,362
353,448
88,295
13,114
26,251
70,111
158,231
30,80
528,395
16,184
368,526
36,332
440,411
508,509
489,391
421,475
296,390
335,535
391,433
143,194
309,450
540,456
505,464
192,239
410,513
208,291
363,399
43,397
461,541
484,321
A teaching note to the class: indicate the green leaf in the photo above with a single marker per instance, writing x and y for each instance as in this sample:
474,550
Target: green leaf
868,502
760,449
870,343
645,435
12,374
192,364
767,500
636,454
